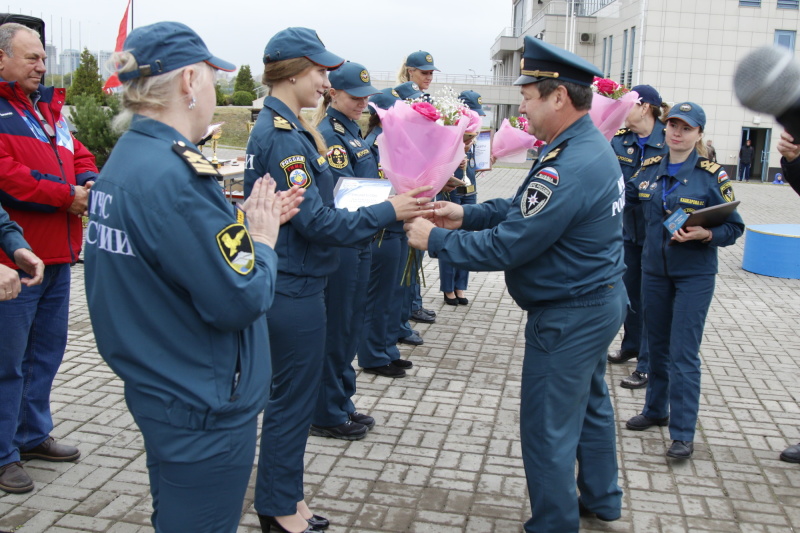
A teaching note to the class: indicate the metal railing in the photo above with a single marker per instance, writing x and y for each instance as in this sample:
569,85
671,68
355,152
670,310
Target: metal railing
582,8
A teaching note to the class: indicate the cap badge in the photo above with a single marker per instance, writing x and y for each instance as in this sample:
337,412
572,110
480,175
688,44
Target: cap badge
364,76
395,94
685,108
414,86
480,101
428,58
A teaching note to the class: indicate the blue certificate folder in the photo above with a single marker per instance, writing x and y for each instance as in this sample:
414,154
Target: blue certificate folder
352,193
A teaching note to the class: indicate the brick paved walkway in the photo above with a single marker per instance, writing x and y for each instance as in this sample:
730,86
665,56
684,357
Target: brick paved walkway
445,455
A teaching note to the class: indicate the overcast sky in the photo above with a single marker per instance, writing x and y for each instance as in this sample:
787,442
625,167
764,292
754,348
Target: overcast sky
376,33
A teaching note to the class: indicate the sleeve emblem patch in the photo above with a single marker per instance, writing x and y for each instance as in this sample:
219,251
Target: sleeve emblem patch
534,199
548,174
236,247
337,156
296,172
727,191
722,176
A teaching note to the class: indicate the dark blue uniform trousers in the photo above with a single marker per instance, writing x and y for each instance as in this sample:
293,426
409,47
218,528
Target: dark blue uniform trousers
345,301
198,477
450,277
409,293
675,311
297,344
383,306
634,337
566,413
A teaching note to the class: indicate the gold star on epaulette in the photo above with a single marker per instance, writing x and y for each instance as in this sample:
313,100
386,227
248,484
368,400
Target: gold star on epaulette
551,155
195,160
652,160
281,123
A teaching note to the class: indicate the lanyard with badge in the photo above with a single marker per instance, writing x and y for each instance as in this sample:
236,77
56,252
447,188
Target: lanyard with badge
673,221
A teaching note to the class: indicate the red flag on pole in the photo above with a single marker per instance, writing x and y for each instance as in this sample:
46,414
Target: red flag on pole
113,81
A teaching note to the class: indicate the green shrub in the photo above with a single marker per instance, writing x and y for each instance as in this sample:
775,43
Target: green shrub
220,95
243,98
93,124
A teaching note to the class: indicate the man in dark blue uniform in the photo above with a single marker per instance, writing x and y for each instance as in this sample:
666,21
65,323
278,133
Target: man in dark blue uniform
559,240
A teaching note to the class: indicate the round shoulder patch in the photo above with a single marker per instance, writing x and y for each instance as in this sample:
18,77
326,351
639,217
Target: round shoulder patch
337,156
237,249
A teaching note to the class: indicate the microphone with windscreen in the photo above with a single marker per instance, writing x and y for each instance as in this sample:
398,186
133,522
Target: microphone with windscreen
767,80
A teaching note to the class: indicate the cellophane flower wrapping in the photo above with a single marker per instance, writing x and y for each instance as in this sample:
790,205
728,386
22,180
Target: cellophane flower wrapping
417,151
510,141
609,114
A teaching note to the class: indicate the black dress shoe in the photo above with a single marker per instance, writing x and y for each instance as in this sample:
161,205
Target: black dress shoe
586,513
462,301
347,431
50,450
636,380
320,523
681,449
413,340
402,363
387,371
269,524
364,420
430,312
641,422
450,301
620,356
791,454
14,479
421,316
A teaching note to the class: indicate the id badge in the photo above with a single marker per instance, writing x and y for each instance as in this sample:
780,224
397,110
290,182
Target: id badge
675,221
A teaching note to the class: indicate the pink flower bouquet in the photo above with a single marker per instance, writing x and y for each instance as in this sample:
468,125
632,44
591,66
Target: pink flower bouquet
416,149
510,141
609,114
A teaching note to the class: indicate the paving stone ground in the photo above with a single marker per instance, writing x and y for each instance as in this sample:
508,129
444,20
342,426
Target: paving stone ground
445,454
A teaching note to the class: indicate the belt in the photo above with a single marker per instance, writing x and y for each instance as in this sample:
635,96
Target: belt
469,189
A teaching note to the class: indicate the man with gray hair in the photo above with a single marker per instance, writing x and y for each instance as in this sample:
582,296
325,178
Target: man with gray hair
45,176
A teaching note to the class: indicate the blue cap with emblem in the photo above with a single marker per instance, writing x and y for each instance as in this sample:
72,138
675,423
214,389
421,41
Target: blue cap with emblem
408,90
292,43
353,79
544,61
473,101
166,46
385,98
690,113
421,60
648,95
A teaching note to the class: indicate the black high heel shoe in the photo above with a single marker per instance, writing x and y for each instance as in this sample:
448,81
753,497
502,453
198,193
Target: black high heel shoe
450,301
320,522
269,524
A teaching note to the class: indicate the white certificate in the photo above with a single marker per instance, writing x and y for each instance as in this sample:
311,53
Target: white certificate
483,150
352,193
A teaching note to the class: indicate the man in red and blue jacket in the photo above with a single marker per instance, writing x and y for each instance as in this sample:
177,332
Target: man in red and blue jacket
45,176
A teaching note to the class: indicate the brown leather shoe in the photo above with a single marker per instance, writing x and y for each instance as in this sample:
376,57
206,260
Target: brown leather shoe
50,450
14,479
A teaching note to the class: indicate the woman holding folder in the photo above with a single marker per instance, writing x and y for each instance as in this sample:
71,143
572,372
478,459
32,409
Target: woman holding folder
678,271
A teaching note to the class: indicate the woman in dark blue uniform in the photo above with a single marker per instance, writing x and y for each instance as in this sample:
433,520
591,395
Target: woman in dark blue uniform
641,139
678,272
454,281
346,292
283,144
178,285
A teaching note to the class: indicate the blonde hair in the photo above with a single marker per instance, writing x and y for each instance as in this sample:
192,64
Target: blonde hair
275,71
403,75
148,92
322,108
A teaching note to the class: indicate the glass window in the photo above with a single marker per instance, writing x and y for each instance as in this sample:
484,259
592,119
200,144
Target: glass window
622,64
610,50
786,38
630,59
750,3
788,4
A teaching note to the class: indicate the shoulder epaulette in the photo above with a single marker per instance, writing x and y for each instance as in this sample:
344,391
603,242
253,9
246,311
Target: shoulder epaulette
652,160
281,123
555,152
195,160
621,131
338,127
708,166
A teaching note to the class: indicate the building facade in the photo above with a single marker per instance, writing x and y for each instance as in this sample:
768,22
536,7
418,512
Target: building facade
688,50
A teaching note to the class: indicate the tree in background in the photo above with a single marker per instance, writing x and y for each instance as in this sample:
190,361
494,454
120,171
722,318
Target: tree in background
93,124
86,80
220,95
244,82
